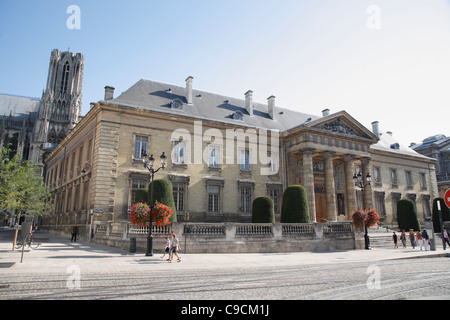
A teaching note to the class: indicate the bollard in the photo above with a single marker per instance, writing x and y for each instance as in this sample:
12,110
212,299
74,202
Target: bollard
132,245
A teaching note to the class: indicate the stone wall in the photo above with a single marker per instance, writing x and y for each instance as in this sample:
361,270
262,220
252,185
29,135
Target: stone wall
235,237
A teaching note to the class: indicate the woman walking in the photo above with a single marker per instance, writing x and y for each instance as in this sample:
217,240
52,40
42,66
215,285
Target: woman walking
412,238
175,247
403,239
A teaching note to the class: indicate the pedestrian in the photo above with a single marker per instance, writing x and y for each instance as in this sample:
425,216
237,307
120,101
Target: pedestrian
412,238
446,236
426,239
175,247
74,233
403,239
167,248
394,237
419,238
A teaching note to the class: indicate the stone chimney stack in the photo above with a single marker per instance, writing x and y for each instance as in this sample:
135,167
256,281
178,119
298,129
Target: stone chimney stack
189,89
376,128
249,102
109,93
271,106
325,113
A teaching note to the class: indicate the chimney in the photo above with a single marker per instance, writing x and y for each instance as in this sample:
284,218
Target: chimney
271,106
325,113
375,128
249,102
189,89
109,93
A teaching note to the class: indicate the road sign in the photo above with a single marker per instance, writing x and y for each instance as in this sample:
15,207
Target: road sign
447,198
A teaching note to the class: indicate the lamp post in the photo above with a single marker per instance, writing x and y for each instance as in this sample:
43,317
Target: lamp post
359,182
149,163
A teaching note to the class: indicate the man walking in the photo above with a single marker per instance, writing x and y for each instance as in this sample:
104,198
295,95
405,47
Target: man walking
74,233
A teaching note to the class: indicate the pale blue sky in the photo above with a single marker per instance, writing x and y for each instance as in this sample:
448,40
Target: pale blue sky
311,55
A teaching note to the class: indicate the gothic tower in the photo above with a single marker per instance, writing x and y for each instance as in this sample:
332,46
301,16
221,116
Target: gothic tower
60,107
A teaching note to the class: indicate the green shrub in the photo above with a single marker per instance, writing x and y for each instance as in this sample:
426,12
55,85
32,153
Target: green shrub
263,210
141,196
407,215
445,211
295,205
163,193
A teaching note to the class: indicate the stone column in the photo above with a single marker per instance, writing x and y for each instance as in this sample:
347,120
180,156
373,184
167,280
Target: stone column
330,189
308,177
368,197
349,168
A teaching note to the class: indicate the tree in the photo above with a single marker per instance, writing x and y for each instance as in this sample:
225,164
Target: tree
263,210
22,189
407,215
295,205
163,193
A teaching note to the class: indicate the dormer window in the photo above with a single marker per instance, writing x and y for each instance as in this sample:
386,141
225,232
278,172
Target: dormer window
238,116
177,104
395,146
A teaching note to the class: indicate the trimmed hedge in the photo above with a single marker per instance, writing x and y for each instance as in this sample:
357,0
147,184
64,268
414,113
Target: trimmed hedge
163,193
407,215
295,205
263,210
141,196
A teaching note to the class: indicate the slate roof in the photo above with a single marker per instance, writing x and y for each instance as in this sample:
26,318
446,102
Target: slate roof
155,95
19,107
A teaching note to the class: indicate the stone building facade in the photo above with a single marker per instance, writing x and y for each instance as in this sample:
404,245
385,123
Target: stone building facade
224,152
437,147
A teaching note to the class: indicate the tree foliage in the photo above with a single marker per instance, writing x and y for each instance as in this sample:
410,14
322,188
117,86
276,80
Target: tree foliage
263,210
295,205
22,189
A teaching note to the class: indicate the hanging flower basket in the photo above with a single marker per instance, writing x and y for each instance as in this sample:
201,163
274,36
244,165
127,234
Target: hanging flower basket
358,218
140,214
372,218
161,214
369,218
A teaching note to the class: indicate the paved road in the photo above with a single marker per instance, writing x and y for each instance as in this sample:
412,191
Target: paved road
59,269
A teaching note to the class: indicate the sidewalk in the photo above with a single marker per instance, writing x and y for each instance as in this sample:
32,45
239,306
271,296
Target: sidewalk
56,254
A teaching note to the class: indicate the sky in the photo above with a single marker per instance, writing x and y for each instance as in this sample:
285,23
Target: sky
379,60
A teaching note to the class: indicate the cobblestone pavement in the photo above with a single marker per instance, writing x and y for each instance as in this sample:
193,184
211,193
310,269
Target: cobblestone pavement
59,269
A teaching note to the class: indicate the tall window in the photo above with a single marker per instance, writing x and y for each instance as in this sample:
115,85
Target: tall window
137,184
214,153
409,183
245,159
246,194
213,198
140,147
178,196
179,152
274,193
376,175
379,203
423,181
394,178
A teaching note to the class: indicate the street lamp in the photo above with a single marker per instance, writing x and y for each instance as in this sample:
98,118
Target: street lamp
359,182
149,163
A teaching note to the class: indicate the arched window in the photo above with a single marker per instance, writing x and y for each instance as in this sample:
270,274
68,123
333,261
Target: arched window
65,79
238,116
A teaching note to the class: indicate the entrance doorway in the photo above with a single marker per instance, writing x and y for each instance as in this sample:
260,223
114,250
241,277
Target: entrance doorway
321,204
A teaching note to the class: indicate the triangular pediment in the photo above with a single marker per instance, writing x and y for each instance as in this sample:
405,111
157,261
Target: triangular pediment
341,124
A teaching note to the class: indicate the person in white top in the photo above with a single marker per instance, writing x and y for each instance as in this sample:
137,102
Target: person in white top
175,247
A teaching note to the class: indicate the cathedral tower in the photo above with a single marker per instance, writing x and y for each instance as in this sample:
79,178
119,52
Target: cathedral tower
60,107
